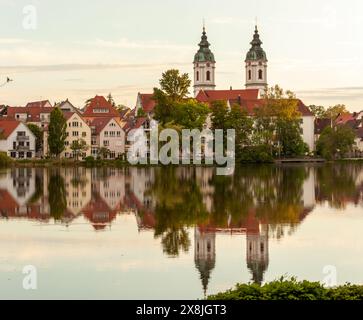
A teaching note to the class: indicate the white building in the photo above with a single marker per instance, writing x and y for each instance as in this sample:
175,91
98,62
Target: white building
204,67
256,65
16,140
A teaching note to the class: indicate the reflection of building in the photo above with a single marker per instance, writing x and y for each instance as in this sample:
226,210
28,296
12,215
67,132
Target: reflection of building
258,252
204,254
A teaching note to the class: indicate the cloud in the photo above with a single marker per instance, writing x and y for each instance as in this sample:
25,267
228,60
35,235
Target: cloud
125,43
329,94
231,20
13,41
84,67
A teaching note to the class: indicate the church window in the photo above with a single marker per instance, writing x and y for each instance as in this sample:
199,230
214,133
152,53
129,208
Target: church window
260,75
208,75
249,75
209,247
262,247
197,75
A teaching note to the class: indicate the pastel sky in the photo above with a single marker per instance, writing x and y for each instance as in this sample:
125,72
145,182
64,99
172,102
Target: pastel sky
82,48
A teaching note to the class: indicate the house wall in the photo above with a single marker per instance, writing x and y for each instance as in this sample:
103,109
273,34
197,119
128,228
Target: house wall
308,127
8,145
74,133
112,137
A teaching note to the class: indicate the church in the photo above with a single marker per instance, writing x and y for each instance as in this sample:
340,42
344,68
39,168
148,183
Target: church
255,83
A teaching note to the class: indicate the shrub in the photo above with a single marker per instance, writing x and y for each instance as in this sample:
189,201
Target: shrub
290,289
255,154
90,161
5,160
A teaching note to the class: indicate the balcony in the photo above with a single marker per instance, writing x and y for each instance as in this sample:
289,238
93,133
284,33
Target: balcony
22,138
22,148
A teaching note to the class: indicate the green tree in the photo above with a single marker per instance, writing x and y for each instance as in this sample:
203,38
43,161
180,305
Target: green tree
318,111
103,152
190,114
57,194
284,122
175,85
335,111
57,132
38,133
335,142
111,100
219,115
79,147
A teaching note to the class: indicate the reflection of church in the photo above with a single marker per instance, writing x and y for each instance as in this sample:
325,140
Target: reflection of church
204,255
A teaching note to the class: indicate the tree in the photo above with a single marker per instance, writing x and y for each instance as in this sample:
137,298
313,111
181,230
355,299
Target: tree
175,85
111,100
79,147
335,142
335,111
103,152
57,194
190,114
57,132
38,133
318,111
284,120
219,115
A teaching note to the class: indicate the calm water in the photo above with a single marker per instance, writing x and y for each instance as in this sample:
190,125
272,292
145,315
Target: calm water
176,233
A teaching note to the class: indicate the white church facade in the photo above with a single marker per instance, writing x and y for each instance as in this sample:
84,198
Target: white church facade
256,82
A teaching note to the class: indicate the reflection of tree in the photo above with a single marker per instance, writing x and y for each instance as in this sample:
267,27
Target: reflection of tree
179,204
273,193
57,194
38,188
174,241
337,184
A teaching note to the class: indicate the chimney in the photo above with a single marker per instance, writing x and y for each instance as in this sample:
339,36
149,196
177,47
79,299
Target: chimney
230,88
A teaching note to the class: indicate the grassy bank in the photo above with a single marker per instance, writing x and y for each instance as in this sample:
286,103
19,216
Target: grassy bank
291,289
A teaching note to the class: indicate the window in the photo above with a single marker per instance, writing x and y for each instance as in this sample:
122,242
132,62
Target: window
208,75
112,133
84,134
75,133
93,142
112,155
100,110
260,75
28,144
14,145
249,75
106,143
66,143
75,124
29,155
119,133
13,154
197,75
106,133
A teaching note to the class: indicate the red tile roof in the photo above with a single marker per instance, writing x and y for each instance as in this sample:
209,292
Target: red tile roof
214,95
147,102
42,104
99,123
344,118
7,127
100,102
33,113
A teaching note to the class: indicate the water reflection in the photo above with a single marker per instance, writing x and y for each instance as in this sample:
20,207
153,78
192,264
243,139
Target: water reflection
260,203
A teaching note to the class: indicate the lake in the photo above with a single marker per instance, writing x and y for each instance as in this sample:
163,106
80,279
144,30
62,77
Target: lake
176,233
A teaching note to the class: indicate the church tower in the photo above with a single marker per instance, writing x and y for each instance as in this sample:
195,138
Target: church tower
258,253
204,255
256,65
204,67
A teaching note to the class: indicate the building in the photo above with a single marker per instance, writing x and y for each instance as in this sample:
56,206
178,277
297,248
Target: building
204,67
77,130
256,65
67,106
16,139
37,115
99,107
145,104
107,133
249,99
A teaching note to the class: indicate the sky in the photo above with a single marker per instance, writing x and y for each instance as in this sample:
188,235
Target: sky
76,49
